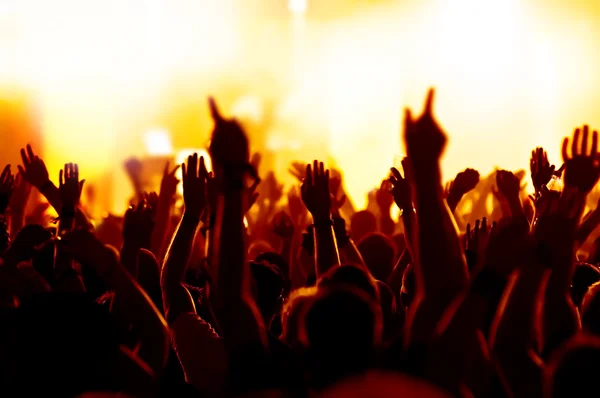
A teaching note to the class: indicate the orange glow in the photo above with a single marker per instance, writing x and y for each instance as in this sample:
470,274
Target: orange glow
510,75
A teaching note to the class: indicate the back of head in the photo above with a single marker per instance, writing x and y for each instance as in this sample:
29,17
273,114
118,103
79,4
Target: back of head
342,328
585,275
350,275
362,223
259,247
379,253
63,344
573,369
292,312
267,288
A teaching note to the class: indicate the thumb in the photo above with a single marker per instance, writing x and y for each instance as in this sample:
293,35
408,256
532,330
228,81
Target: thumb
81,183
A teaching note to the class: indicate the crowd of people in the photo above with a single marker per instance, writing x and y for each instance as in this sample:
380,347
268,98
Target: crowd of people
250,291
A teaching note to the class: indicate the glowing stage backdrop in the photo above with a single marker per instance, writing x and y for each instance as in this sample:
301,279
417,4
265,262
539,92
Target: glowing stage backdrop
109,79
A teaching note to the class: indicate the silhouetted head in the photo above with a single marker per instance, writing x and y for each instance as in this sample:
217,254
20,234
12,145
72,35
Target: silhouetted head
277,260
351,275
64,344
342,328
109,231
362,223
379,253
585,275
23,247
259,247
291,315
267,288
573,369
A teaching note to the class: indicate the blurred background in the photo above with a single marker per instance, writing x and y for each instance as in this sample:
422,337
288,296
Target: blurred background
98,81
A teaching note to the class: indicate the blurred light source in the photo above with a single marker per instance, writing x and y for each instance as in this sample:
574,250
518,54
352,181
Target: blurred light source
298,6
248,107
158,142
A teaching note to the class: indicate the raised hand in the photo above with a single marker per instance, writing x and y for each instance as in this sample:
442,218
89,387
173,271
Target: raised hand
401,191
315,191
541,169
194,177
283,225
383,198
582,168
34,170
464,182
424,138
508,184
169,182
476,240
229,144
139,221
6,188
298,170
272,189
70,187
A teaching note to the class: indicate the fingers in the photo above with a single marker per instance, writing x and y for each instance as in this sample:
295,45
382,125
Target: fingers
5,173
81,183
61,182
308,180
594,149
203,173
24,158
396,174
565,145
575,143
21,170
214,110
484,224
30,152
429,102
584,141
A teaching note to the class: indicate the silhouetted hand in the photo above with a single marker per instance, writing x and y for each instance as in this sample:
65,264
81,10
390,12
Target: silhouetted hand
401,192
383,198
70,187
541,169
139,221
34,170
298,170
315,191
424,138
229,144
283,225
464,182
6,188
194,177
477,239
509,184
582,168
169,182
272,189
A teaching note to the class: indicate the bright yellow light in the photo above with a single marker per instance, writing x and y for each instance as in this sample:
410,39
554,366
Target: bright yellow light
298,6
158,142
248,107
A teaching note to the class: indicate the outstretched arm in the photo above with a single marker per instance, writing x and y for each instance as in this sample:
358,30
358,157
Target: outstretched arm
168,188
317,198
176,297
138,308
34,171
239,318
440,267
464,182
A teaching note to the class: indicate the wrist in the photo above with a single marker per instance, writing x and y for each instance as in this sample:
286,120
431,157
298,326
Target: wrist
43,187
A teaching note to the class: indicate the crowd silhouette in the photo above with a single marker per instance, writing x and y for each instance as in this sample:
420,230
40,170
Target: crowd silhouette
248,290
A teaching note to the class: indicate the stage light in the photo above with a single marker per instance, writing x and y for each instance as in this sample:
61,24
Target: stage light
298,6
158,142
